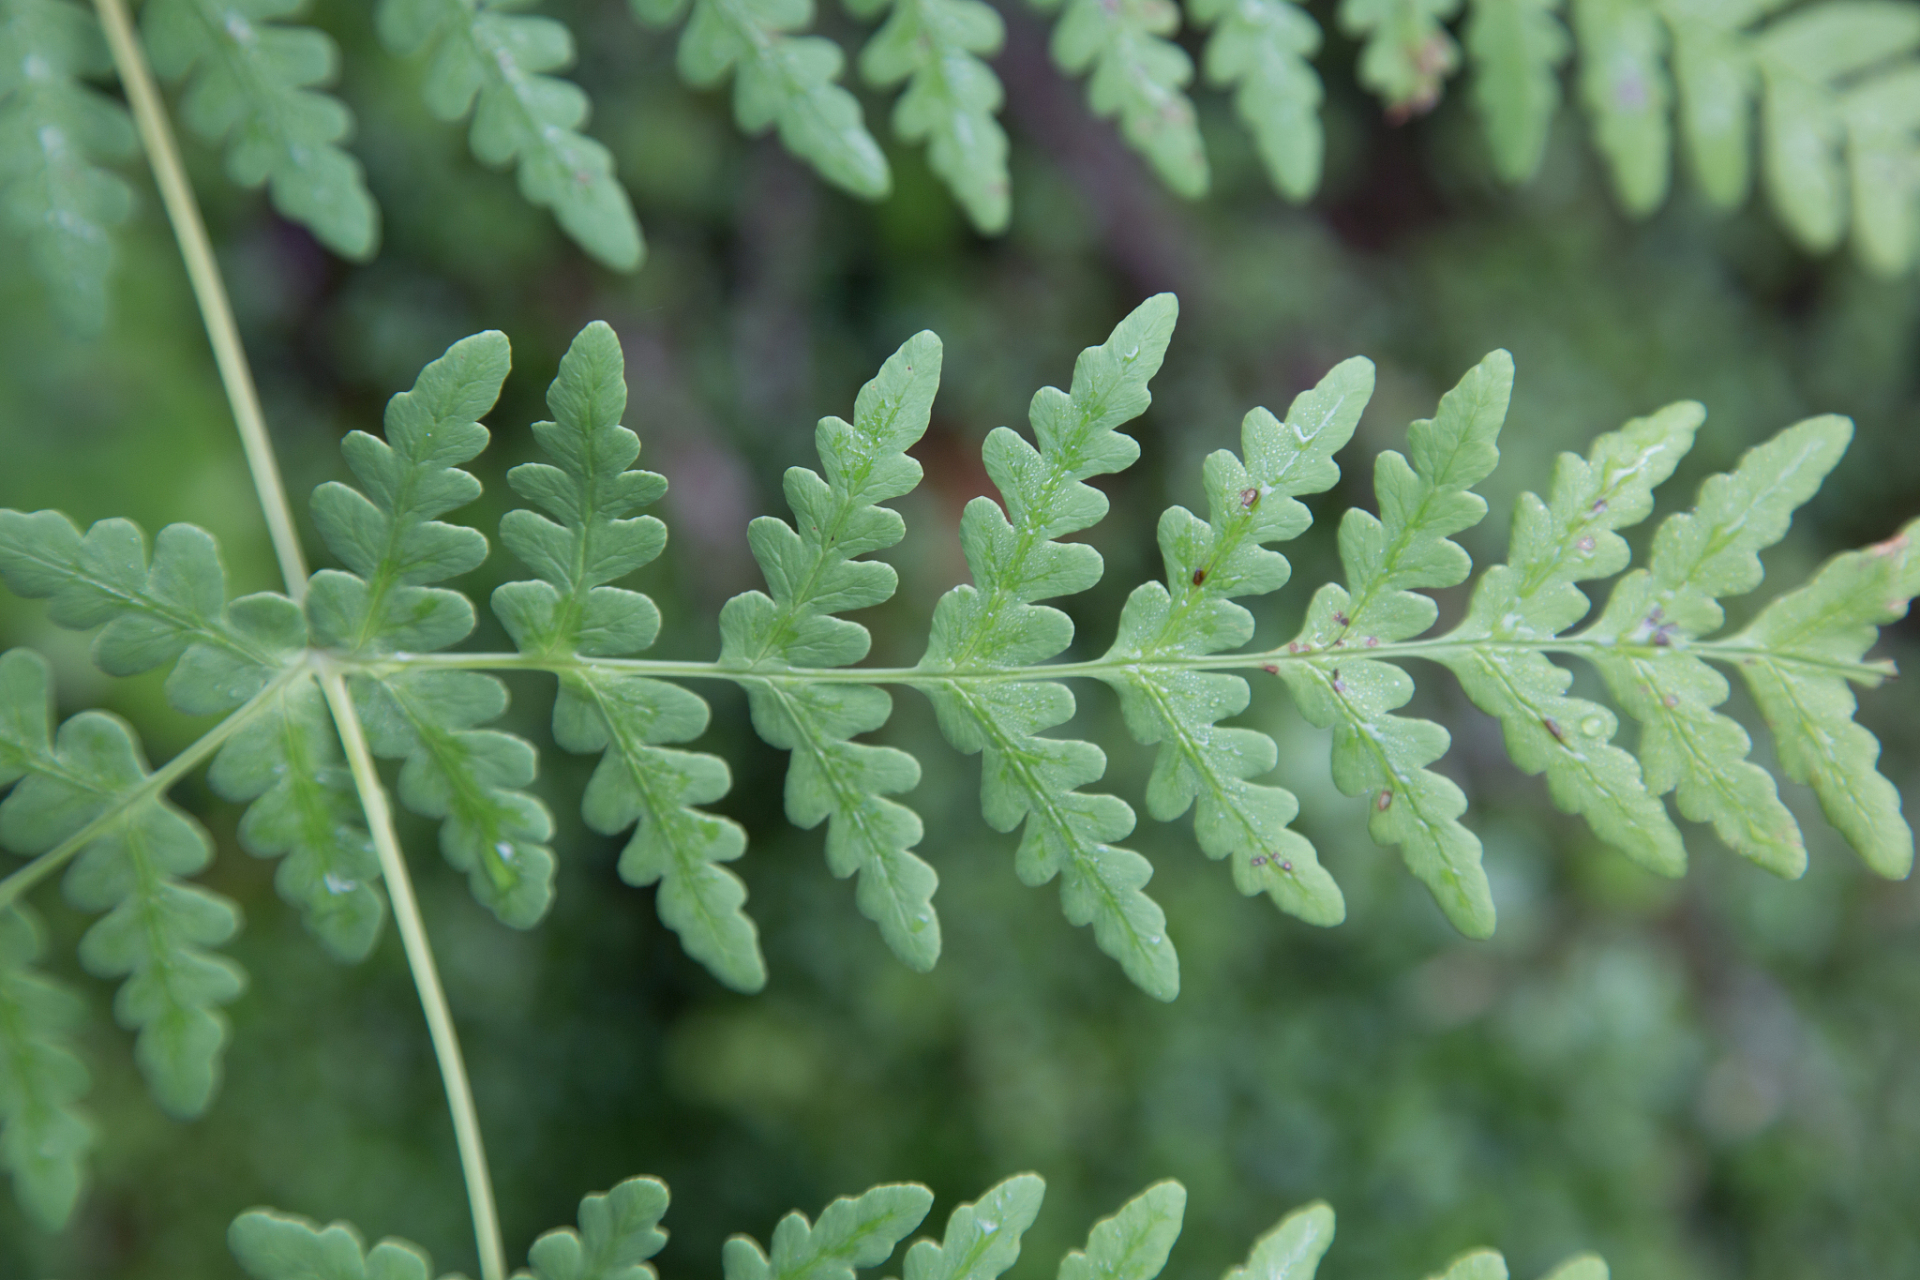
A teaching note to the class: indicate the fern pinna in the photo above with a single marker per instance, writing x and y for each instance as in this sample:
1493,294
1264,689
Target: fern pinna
373,644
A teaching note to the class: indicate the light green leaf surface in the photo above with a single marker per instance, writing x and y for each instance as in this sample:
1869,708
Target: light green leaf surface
852,1232
44,1134
1134,1243
780,80
1260,50
485,59
1292,1250
1208,563
1625,86
952,98
279,1246
1140,77
619,1230
983,1238
251,85
1382,756
995,624
55,134
590,537
1516,47
156,928
812,572
1408,53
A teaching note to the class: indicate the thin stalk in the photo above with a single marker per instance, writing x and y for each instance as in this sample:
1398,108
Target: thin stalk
183,210
158,782
426,977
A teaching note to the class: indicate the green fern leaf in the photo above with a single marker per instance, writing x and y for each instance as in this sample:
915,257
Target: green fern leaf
1800,58
996,625
1383,756
286,761
280,1246
1134,1243
44,1135
1883,153
983,1238
952,96
1585,1267
1517,47
811,570
1292,1250
54,132
484,59
1260,50
619,1231
1697,558
1408,54
251,87
1623,80
1714,72
388,538
1208,563
1532,598
156,928
781,81
851,1233
1795,643
1138,76
592,495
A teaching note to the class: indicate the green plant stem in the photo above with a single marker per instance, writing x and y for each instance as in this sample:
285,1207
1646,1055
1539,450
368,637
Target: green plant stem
426,976
157,783
1437,649
183,211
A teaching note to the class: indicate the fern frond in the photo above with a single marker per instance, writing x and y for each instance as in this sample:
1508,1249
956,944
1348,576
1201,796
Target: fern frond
251,86
1208,564
1625,85
780,80
1408,53
55,131
952,99
485,59
1795,643
44,1134
812,573
852,1232
470,778
156,928
1699,557
1516,47
1259,49
1532,599
982,1241
1375,753
619,1230
995,624
1139,76
571,610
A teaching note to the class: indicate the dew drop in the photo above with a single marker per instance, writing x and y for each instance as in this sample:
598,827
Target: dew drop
987,1225
1593,726
505,851
336,885
1153,939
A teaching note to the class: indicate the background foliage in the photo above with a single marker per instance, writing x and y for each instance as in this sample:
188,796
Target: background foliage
1698,1079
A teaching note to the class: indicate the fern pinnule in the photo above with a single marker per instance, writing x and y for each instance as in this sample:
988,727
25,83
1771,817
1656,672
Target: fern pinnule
813,575
1375,753
484,59
44,1134
995,623
592,539
55,130
251,84
1136,74
1209,563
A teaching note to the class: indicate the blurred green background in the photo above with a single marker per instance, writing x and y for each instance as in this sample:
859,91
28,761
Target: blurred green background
1705,1079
